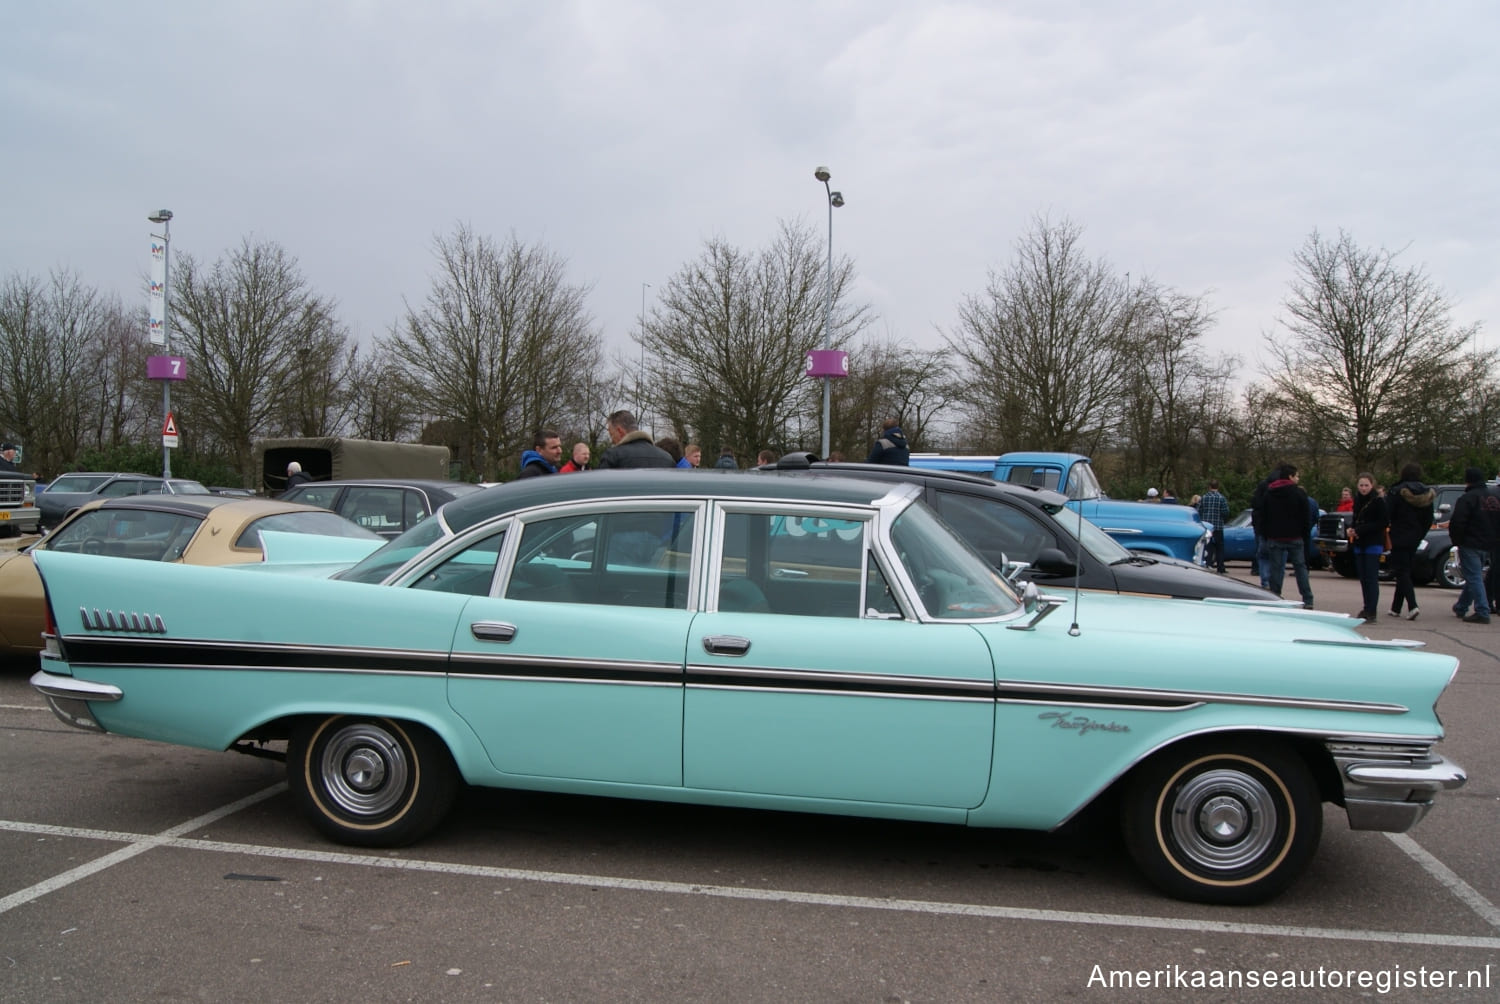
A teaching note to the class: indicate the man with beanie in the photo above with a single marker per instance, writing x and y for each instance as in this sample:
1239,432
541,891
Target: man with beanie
1472,527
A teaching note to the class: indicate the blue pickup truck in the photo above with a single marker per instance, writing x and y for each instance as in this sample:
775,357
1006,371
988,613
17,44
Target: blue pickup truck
1172,531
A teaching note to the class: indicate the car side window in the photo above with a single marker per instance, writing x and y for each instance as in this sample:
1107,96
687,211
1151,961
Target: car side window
638,558
127,533
470,571
374,508
318,495
792,564
993,528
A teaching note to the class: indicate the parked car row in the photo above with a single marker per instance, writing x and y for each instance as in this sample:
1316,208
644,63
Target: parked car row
799,640
68,492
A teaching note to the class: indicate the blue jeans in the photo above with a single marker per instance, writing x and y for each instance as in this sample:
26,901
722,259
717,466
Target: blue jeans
1273,566
1367,564
1471,560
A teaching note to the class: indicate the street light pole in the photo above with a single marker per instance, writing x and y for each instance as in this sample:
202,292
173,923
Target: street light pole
164,217
835,199
641,373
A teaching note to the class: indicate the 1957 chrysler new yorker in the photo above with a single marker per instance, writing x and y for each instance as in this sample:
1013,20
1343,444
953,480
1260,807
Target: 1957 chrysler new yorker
819,645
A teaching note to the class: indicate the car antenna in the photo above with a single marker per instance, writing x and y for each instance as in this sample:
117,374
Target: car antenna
1073,631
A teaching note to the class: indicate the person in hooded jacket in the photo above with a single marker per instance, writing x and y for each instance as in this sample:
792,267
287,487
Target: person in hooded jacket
891,447
1473,526
1410,505
1282,519
543,457
1367,542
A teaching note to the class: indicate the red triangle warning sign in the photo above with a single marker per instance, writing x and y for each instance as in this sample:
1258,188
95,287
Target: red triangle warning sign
169,427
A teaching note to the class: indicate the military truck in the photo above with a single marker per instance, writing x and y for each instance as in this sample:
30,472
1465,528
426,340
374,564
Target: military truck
332,457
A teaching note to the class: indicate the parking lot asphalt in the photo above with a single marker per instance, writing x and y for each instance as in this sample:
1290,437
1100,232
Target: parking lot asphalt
134,871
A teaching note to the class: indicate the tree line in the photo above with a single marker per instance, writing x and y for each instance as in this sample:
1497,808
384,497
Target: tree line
1366,369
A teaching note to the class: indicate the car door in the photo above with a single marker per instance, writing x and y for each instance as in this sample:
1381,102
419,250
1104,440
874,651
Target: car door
806,679
568,661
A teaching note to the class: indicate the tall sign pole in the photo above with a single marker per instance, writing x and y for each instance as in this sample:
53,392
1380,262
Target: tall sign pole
167,367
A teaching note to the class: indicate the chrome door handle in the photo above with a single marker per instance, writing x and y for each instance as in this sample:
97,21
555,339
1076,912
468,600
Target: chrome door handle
492,631
725,644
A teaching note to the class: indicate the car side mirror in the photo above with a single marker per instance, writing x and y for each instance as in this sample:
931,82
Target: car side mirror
1051,561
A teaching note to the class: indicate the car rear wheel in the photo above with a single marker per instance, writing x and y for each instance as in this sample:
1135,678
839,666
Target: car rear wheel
374,782
1229,823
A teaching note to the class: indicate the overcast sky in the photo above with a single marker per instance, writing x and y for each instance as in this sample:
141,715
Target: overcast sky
1197,143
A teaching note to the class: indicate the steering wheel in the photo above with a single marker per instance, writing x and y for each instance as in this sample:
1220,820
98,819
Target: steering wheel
929,592
92,545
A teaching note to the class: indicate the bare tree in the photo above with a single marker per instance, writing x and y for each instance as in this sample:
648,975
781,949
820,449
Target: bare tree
1176,396
1368,346
727,341
1047,346
53,336
242,323
889,379
499,346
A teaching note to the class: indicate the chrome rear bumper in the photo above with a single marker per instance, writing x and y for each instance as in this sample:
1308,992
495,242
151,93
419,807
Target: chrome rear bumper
69,698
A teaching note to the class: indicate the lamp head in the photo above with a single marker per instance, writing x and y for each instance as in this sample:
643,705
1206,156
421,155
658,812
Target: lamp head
161,216
822,174
837,198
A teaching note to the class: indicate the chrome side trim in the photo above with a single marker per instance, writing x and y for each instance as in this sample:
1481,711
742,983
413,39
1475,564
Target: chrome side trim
1029,692
978,687
1397,643
139,623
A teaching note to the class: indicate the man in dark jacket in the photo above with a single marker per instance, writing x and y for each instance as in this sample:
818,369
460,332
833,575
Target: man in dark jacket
633,448
1410,505
1473,529
1284,522
542,458
891,447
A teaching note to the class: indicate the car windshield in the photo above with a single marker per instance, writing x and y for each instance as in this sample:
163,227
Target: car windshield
953,580
1243,519
326,524
78,482
1096,542
182,486
377,566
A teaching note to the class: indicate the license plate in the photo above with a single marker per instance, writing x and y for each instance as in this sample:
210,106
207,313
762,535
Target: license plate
4,514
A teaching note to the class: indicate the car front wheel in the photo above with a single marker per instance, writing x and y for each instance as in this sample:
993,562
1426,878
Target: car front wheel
373,782
1223,823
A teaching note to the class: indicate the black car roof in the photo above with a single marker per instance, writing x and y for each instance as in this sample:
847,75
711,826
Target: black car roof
468,510
794,463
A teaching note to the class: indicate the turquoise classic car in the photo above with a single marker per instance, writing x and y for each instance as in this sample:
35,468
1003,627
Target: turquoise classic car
818,645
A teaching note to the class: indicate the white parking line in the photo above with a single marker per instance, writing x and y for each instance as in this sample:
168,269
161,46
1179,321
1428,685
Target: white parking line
1471,896
172,838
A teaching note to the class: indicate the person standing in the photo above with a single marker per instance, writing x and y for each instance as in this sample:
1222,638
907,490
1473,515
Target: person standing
1367,542
726,460
579,460
1284,523
891,447
1346,501
1213,510
1410,505
693,454
633,448
543,457
1473,529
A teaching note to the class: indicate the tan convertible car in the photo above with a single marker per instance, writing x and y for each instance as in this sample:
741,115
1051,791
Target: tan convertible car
190,529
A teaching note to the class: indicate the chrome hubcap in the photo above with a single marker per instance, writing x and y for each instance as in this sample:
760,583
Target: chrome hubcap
1223,820
364,769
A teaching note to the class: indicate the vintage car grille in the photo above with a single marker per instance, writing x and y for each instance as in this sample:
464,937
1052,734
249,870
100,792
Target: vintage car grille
1331,526
12,492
